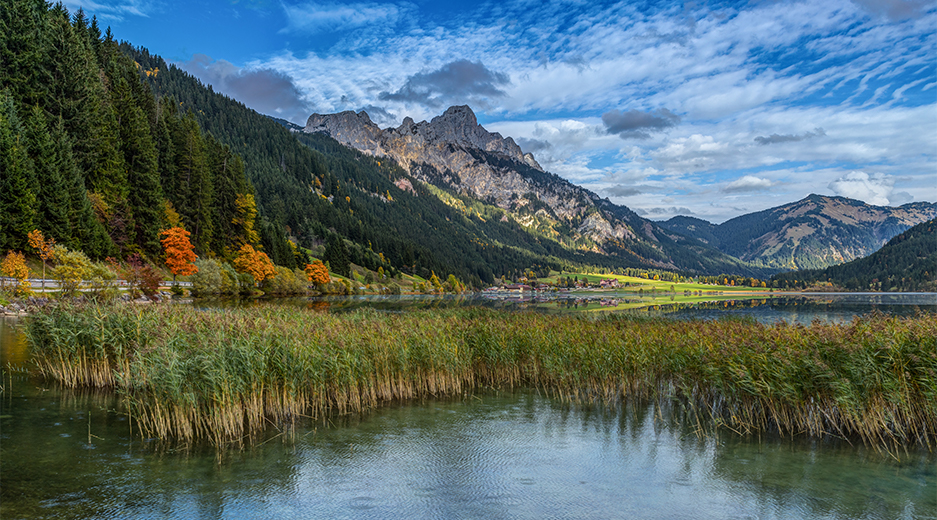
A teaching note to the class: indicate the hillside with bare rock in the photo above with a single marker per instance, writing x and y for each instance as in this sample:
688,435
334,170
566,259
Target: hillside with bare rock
813,233
455,153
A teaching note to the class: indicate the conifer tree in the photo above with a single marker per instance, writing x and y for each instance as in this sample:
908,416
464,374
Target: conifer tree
193,188
141,159
87,233
52,189
336,254
23,49
17,182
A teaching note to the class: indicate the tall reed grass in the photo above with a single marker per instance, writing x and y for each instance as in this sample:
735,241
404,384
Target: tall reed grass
224,374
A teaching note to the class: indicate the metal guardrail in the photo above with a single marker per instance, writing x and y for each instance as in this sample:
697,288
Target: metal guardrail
54,284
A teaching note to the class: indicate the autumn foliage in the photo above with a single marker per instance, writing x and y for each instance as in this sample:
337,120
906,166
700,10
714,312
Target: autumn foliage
14,266
317,273
45,247
179,251
255,263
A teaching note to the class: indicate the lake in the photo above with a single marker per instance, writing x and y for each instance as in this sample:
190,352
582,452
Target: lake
489,454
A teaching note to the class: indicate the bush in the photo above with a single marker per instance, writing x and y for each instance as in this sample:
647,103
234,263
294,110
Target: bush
208,279
285,282
72,268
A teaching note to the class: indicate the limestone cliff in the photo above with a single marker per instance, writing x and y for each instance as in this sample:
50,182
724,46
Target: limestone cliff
455,151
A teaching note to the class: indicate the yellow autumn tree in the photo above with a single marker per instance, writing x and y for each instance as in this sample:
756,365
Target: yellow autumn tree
44,247
255,263
179,252
14,266
246,216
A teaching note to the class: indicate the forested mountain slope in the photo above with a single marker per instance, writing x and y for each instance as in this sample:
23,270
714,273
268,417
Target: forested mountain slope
92,158
815,232
456,154
908,262
316,188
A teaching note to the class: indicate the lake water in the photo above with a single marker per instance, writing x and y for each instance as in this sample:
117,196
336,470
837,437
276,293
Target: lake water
66,454
766,308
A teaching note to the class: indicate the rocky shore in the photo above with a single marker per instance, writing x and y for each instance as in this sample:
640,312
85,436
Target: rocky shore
28,305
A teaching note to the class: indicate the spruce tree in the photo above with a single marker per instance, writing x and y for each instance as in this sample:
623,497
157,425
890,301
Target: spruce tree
141,158
336,254
192,187
17,182
23,49
52,193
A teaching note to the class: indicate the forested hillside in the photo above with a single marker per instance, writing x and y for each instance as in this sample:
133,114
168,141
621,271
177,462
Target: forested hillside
321,192
813,233
92,158
908,262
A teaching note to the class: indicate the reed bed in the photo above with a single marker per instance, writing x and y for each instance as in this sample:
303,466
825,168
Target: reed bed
225,374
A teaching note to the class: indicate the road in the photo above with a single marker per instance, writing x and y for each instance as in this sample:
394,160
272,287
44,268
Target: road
53,285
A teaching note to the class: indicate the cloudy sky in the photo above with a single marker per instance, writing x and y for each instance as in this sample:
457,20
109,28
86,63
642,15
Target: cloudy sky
705,109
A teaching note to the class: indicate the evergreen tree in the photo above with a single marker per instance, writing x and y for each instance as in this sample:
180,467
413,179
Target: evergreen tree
192,184
229,212
23,49
336,254
52,188
18,214
76,93
141,159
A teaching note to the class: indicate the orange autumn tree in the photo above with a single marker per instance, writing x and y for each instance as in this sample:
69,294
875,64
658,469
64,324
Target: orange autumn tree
317,273
179,252
254,263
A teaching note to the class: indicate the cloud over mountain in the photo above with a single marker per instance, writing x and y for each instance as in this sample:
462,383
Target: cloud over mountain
748,183
635,124
873,189
458,82
265,90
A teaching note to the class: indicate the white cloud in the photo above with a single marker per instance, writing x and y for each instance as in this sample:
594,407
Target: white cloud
747,183
110,11
873,189
826,87
333,17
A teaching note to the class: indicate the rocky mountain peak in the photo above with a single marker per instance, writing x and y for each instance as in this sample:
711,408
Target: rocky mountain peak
458,125
457,117
454,149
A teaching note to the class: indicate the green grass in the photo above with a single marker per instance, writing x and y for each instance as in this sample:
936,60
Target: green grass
651,302
225,374
646,285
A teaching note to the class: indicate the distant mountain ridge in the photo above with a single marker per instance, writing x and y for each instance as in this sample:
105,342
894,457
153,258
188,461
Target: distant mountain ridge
813,233
454,152
908,262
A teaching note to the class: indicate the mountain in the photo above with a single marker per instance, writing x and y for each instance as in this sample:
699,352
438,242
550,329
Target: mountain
908,262
813,233
312,192
455,154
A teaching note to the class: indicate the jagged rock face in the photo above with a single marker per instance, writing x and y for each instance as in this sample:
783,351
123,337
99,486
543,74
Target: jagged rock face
455,149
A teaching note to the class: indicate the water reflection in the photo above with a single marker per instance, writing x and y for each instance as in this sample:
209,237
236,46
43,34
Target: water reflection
68,454
487,455
765,308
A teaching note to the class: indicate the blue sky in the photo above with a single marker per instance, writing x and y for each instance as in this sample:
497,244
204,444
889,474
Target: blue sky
705,109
